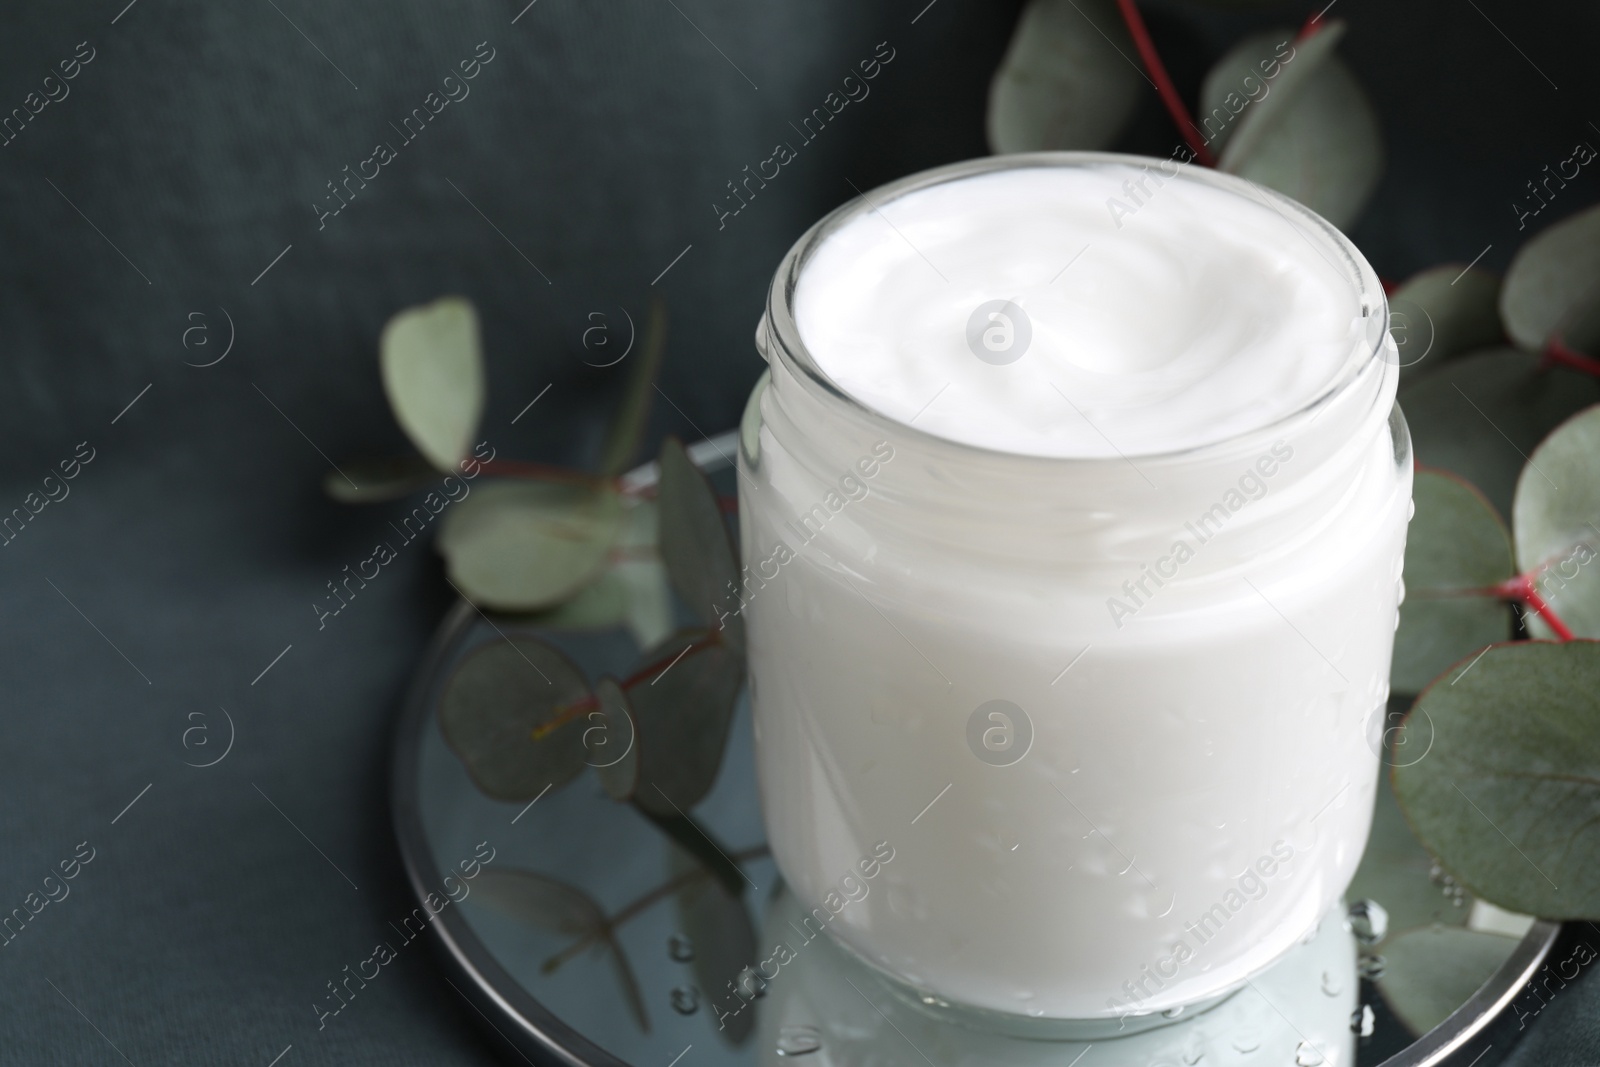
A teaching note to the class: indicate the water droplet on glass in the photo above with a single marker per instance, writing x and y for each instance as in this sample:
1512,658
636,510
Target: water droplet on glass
1331,984
680,948
685,1001
798,1041
1368,921
1370,967
1172,1013
1362,1021
1246,1041
1307,1055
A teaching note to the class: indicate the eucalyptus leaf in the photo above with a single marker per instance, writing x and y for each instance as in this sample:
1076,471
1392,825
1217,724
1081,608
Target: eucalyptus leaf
551,904
1553,283
1481,415
695,544
1310,132
378,480
1508,797
526,545
683,713
1556,516
719,926
433,376
1432,971
1395,869
1067,80
611,740
633,414
1443,312
1456,547
491,705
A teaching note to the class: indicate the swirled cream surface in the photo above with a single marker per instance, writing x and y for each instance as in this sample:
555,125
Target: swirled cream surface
1081,312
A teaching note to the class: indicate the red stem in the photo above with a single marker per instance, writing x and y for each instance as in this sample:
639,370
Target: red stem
648,673
1557,353
1163,82
1521,589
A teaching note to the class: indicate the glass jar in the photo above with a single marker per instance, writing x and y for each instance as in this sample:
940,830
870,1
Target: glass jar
1017,748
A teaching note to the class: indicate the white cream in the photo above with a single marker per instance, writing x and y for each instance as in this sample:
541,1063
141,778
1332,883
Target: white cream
1199,315
1197,639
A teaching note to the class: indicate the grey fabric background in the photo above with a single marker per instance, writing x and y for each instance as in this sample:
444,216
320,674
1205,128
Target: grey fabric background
189,154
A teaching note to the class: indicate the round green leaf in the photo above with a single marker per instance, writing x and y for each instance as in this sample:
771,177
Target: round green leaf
611,740
1309,132
1063,83
433,375
1432,971
1553,284
491,706
1481,415
1456,547
524,546
374,481
724,937
682,714
1508,798
1443,312
1557,521
695,544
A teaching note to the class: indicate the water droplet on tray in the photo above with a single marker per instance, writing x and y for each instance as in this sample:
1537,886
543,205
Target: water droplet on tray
1362,1021
685,1001
798,1041
1370,967
1369,922
680,948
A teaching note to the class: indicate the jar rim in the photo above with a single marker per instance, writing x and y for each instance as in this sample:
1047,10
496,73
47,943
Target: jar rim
779,329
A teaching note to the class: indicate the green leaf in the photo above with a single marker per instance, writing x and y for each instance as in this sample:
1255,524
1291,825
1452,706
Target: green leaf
1067,80
633,415
1395,867
719,926
683,713
550,904
433,375
1480,415
1456,545
695,544
1508,798
493,702
611,739
1556,516
523,546
1553,285
1432,971
1443,312
1311,133
378,480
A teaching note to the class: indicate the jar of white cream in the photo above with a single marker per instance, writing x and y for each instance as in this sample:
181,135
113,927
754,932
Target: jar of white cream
1073,508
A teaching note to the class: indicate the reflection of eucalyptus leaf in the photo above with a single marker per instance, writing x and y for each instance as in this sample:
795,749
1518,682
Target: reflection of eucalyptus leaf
491,705
614,750
1479,415
523,546
433,376
553,905
683,714
1553,284
1442,312
1395,867
1063,84
1430,972
628,424
1310,134
1557,520
1456,544
695,545
750,421
379,480
724,938
632,589
1508,796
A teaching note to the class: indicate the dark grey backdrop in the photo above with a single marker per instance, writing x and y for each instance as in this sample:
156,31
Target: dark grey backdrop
189,154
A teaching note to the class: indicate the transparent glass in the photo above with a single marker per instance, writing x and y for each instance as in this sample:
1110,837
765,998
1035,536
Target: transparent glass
987,780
